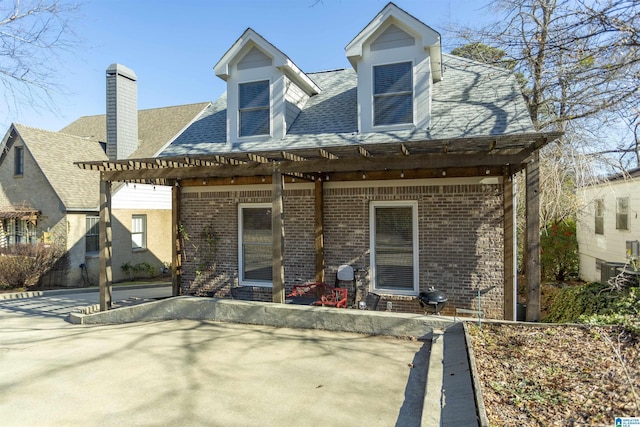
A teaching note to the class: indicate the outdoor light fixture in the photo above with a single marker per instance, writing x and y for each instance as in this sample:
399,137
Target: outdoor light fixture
402,174
204,182
444,172
487,172
233,179
364,176
263,179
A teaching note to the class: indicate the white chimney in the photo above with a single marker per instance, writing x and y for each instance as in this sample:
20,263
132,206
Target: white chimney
122,112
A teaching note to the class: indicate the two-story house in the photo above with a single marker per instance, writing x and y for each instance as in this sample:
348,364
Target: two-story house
43,193
608,229
400,166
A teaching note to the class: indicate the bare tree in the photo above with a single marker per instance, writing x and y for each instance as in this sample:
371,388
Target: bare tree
580,57
33,35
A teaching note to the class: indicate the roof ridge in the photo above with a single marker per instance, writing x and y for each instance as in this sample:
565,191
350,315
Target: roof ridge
54,132
329,71
493,67
148,109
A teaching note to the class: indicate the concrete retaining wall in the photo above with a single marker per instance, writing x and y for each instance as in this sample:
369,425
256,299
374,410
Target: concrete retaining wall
270,314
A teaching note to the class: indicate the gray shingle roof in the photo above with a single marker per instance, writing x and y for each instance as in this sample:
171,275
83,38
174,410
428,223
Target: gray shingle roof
473,99
55,154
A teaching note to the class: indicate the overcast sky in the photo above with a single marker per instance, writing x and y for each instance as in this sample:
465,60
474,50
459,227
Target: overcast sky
173,45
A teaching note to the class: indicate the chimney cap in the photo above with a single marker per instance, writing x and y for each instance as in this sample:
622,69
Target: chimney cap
122,70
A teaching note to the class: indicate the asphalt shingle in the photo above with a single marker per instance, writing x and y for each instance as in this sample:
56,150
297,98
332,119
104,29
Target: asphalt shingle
473,99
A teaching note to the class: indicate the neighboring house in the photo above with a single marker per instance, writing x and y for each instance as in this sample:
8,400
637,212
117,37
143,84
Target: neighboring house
43,193
607,223
400,167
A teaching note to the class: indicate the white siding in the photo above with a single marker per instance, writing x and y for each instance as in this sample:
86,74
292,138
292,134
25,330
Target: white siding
610,246
142,196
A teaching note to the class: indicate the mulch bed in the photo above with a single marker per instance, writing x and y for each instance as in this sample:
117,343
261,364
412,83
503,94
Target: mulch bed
557,375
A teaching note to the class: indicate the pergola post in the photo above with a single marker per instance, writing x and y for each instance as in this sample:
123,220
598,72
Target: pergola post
277,228
176,250
510,268
319,230
532,248
105,246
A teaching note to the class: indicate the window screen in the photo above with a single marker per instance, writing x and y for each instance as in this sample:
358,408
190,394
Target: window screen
254,108
393,94
394,248
138,231
257,252
92,240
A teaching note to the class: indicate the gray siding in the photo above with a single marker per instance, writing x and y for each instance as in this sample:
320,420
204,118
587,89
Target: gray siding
391,38
122,112
255,58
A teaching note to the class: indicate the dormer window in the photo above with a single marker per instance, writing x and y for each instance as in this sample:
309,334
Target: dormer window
393,94
254,108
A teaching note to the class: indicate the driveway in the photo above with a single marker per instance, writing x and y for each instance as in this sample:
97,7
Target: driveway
60,303
190,372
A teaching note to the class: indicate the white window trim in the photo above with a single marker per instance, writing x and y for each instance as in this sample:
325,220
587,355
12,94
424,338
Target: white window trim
260,137
397,126
143,233
413,204
241,280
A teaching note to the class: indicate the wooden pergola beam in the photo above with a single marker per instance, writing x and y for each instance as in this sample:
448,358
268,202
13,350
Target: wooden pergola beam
105,277
509,268
277,229
319,229
532,242
367,164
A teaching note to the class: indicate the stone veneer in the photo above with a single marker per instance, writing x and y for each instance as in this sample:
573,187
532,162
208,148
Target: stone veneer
460,233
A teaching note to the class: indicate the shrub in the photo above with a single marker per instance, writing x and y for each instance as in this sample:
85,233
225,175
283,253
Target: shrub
595,303
559,251
23,265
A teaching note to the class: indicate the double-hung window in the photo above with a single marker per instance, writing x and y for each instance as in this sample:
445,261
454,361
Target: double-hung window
18,161
138,232
394,247
92,236
599,216
393,94
622,213
255,244
254,108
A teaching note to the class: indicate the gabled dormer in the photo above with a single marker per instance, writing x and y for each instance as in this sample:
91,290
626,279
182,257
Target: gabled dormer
265,89
397,59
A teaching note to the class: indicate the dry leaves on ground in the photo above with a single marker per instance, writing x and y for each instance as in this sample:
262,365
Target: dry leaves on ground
556,375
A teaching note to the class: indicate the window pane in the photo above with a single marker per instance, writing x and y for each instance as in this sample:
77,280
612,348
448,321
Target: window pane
92,237
392,78
19,161
254,122
394,248
254,95
256,244
599,217
394,109
622,213
138,231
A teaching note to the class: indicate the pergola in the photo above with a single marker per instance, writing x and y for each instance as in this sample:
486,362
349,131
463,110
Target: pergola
497,156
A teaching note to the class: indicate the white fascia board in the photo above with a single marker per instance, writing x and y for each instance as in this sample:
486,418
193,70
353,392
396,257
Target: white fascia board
299,77
392,13
280,60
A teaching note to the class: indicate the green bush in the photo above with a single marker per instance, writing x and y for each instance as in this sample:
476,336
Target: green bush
596,303
559,251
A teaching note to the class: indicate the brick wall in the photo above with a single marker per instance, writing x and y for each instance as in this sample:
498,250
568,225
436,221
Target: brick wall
460,241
